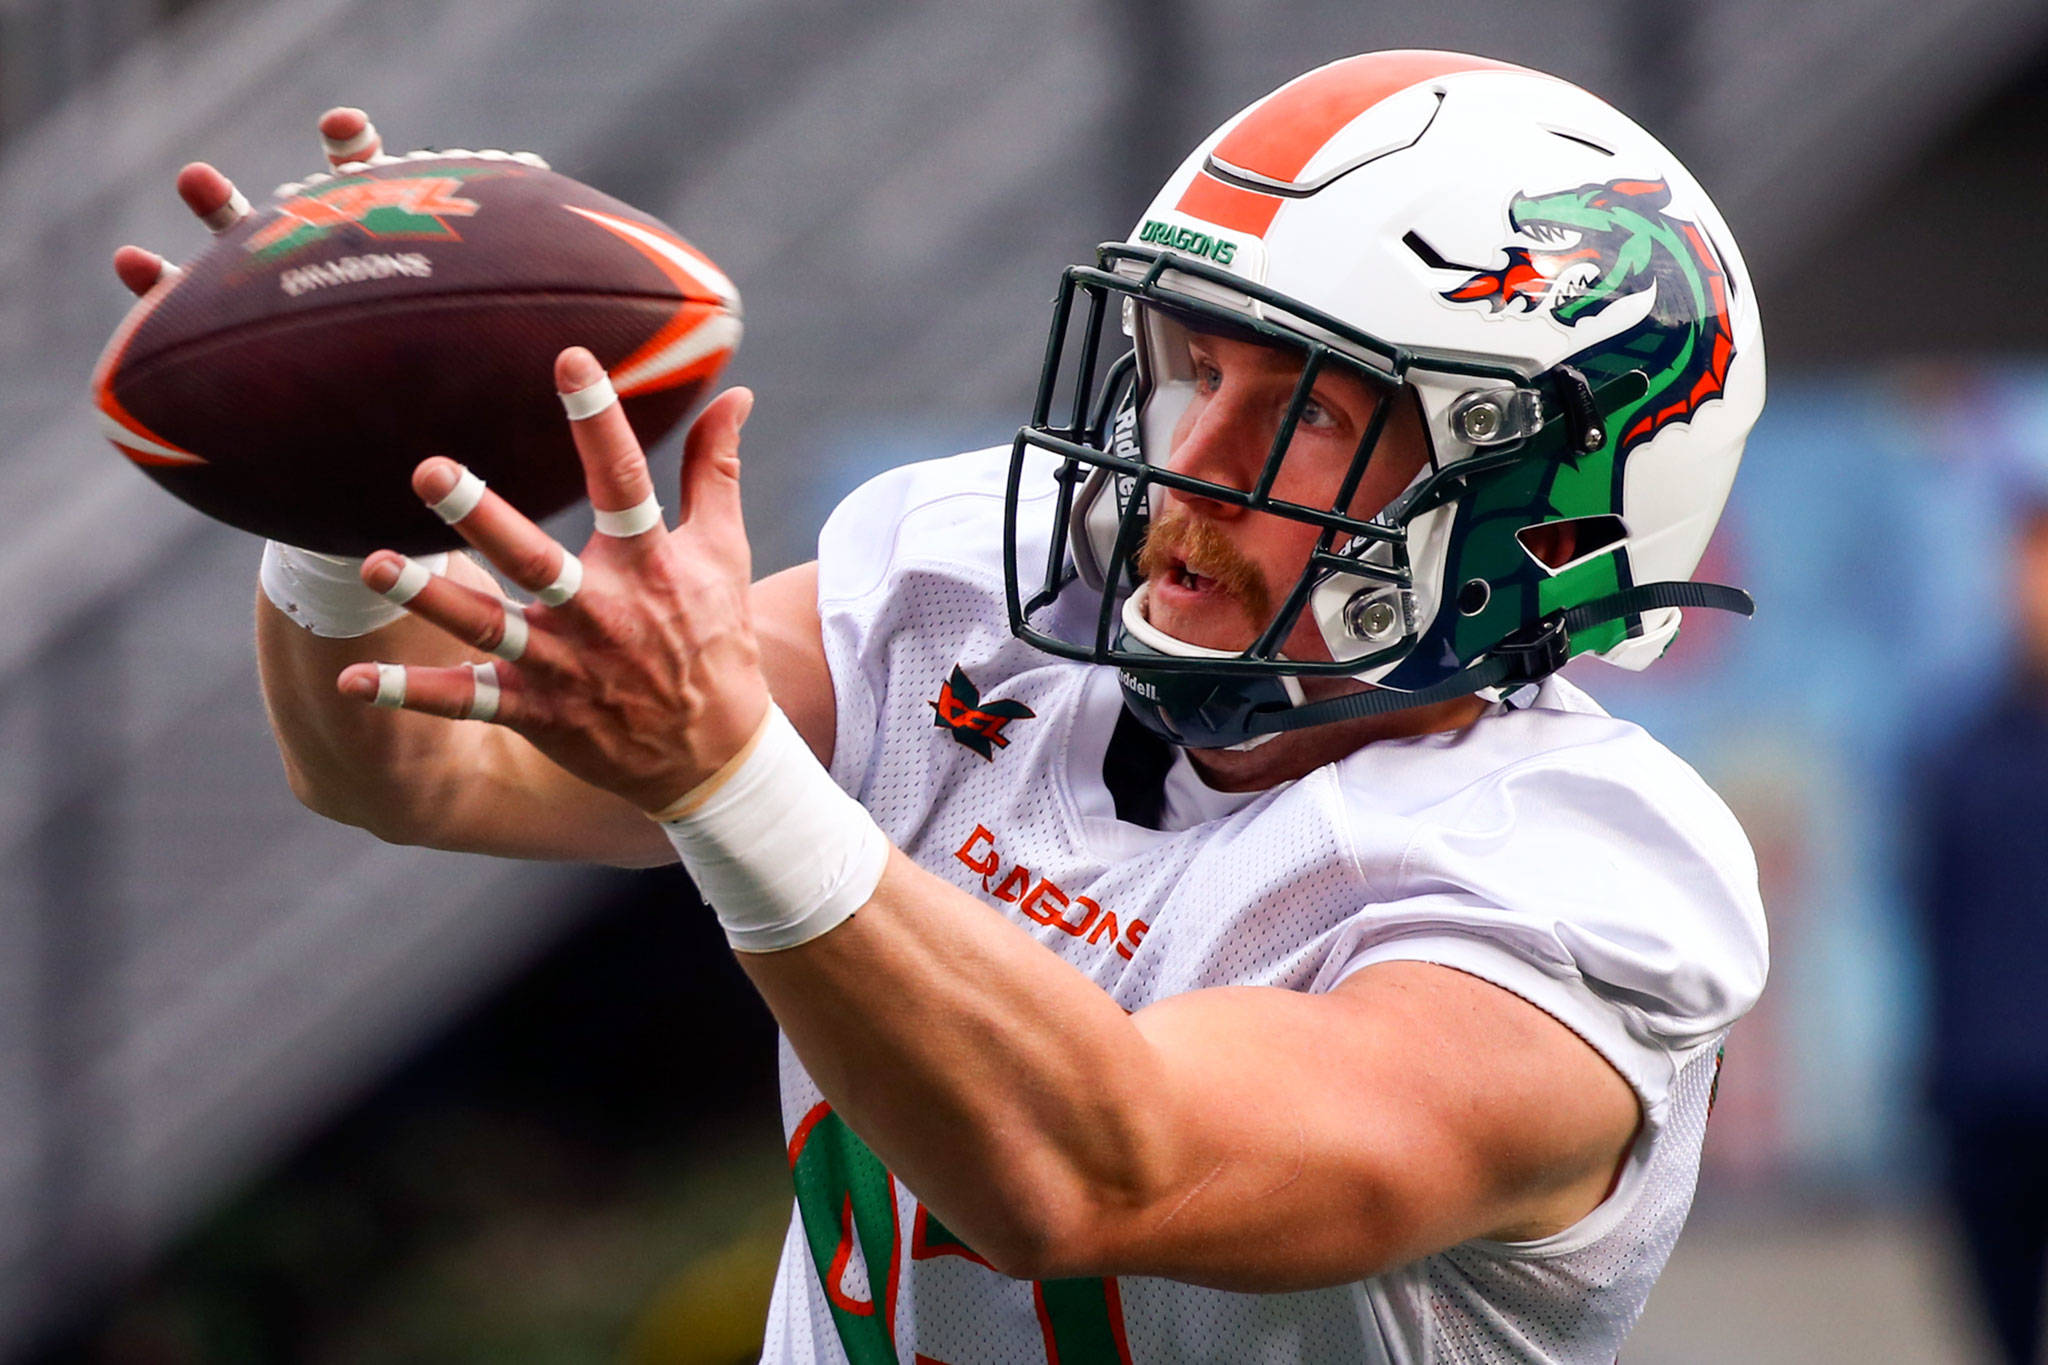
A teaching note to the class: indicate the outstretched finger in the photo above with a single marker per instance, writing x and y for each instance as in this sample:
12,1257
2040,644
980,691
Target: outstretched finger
614,469
346,134
463,692
212,197
711,461
481,620
141,271
526,554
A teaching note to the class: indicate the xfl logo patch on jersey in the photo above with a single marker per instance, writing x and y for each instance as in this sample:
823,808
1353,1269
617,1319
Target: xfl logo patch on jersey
959,710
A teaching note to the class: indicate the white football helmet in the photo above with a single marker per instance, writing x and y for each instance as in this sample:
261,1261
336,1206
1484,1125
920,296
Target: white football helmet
1555,290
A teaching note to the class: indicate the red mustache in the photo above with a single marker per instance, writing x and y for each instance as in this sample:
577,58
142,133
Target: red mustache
1178,536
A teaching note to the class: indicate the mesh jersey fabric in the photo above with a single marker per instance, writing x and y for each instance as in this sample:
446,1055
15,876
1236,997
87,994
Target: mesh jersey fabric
1548,847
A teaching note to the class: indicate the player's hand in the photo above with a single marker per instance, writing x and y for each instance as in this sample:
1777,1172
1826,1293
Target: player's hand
345,135
638,671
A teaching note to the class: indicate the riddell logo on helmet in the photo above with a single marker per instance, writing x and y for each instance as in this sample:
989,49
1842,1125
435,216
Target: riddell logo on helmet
382,207
1124,438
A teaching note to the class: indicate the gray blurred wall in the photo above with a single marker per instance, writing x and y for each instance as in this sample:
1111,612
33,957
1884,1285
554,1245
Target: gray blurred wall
194,971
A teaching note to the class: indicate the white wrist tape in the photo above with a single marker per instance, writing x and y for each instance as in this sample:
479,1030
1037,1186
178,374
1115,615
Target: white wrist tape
325,593
777,849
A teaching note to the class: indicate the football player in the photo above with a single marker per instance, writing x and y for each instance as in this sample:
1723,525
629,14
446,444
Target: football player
1202,924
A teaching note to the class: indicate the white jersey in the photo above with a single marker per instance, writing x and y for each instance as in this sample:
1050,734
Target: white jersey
1548,848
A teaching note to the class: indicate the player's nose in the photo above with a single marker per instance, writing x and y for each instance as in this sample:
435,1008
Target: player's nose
1224,442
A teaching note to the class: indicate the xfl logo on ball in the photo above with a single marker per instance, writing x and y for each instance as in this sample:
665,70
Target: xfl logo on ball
384,207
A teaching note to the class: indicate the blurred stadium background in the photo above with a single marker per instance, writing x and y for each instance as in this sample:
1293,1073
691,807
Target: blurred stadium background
271,1090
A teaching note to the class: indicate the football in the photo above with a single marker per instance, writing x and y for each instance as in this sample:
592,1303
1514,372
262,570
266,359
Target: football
291,377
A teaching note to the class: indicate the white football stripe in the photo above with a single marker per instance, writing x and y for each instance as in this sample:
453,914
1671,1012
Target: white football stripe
719,332
702,271
130,440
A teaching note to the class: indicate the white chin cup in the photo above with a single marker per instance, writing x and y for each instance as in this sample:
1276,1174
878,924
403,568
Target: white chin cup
779,852
1152,637
325,593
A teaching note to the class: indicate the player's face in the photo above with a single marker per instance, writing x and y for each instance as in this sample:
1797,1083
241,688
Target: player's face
1219,572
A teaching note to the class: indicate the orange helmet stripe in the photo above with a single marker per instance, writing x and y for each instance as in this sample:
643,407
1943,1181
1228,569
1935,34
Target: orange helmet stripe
1285,131
1228,206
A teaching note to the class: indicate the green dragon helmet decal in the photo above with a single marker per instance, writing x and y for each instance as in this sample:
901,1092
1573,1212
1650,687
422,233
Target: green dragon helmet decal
1606,242
1612,241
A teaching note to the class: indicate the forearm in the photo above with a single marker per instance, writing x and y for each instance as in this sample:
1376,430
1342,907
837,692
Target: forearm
1249,1139
409,779
1008,1091
345,760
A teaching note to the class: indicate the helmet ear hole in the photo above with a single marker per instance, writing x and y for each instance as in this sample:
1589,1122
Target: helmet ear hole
1557,545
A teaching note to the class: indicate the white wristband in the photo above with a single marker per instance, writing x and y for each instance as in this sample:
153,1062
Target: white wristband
325,593
777,849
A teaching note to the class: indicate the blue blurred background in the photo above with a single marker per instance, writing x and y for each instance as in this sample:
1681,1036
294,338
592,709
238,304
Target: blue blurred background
271,1090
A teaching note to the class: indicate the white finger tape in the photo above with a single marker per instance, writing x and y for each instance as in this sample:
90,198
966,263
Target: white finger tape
511,645
567,582
483,702
348,149
325,593
460,500
589,402
411,581
638,519
390,686
228,214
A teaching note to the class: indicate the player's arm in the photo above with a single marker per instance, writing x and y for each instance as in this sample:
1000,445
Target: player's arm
482,788
1249,1139
1252,1139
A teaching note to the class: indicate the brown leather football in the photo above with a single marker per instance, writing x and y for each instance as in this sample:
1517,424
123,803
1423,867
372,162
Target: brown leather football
291,378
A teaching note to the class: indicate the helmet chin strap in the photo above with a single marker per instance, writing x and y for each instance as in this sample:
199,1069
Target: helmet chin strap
1243,712
1141,629
1526,657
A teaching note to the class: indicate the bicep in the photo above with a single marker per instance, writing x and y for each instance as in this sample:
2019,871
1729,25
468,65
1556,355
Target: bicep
1322,1138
